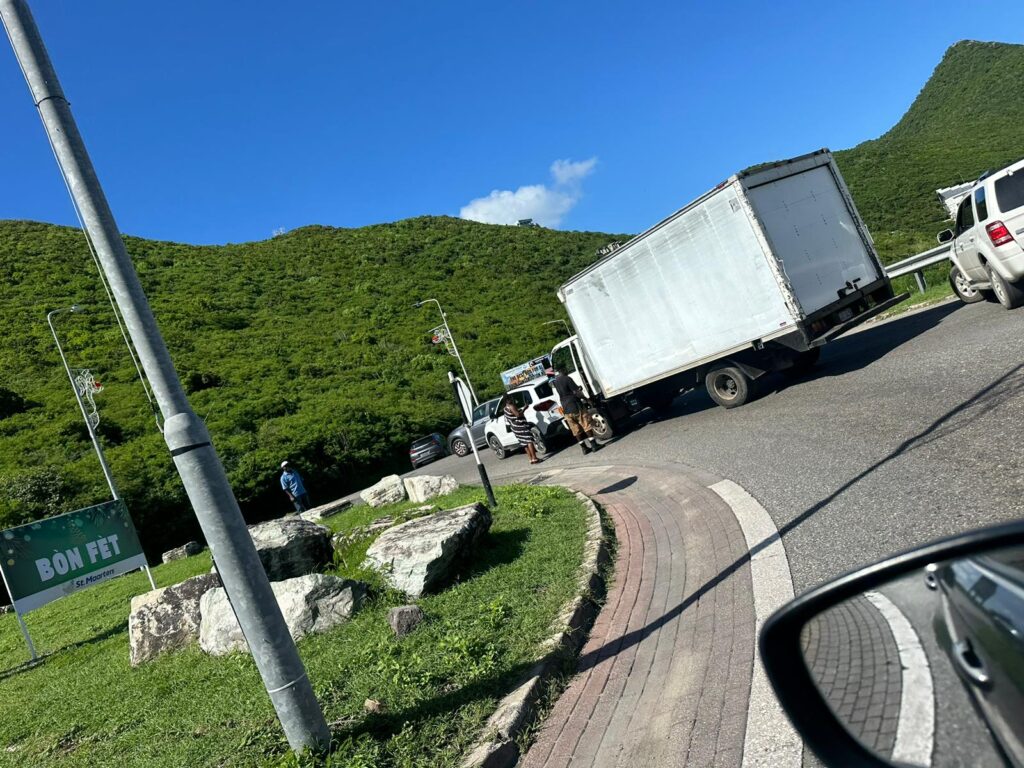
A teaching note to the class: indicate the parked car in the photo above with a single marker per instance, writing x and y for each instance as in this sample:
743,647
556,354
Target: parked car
987,251
981,622
458,440
427,449
541,407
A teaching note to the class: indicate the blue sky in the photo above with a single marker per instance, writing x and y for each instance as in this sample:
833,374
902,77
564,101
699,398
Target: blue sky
222,122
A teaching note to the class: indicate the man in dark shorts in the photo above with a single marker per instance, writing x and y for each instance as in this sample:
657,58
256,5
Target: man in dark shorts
575,411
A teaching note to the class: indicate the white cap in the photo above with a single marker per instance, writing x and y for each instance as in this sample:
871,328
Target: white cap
284,464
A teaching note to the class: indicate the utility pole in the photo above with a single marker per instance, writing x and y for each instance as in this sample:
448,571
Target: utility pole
186,435
91,419
455,349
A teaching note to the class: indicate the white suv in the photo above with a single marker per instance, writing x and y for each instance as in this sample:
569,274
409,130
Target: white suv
541,407
988,240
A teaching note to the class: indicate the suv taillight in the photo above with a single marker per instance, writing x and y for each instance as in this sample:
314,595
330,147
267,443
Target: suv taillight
544,405
998,233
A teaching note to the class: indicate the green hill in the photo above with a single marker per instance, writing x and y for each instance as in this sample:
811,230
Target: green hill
968,118
307,346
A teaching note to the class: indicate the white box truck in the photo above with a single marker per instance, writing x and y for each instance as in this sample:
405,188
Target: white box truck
752,277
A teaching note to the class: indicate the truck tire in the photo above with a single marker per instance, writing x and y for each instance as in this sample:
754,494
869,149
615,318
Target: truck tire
601,425
1010,295
962,287
804,362
459,447
539,445
497,447
728,386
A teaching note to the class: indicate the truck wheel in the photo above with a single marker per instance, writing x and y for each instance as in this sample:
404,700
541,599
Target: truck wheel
539,445
1010,295
459,447
601,426
497,447
962,287
804,362
728,386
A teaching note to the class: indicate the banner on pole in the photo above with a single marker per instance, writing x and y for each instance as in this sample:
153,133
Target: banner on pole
439,335
48,559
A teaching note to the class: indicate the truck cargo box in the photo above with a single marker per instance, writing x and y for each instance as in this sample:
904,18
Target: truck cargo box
774,252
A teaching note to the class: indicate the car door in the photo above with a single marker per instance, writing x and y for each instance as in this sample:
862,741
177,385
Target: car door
965,241
984,612
481,415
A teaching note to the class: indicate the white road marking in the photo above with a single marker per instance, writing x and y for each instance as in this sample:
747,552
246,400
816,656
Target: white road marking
915,731
770,739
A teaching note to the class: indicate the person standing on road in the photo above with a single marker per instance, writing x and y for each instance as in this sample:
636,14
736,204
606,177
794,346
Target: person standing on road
520,428
575,411
291,484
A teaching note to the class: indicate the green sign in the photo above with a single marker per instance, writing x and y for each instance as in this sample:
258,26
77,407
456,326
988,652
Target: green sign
51,558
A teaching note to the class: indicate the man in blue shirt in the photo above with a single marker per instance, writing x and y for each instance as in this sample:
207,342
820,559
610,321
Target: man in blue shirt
291,484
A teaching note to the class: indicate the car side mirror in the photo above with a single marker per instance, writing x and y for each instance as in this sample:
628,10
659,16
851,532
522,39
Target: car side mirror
878,667
945,236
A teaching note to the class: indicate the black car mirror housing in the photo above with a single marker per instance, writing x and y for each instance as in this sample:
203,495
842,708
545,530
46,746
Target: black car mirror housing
782,639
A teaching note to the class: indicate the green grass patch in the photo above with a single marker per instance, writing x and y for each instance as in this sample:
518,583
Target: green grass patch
84,706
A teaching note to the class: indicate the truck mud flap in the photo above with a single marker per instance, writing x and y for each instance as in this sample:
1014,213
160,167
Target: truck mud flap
853,322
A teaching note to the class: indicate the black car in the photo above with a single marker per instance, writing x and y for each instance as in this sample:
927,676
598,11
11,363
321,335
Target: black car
427,449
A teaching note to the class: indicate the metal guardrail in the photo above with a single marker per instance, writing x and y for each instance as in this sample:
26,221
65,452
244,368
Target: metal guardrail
916,264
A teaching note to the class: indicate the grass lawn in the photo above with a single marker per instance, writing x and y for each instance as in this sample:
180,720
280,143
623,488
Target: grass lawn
84,706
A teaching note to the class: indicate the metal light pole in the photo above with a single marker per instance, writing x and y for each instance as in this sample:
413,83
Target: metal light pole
186,435
455,349
88,417
467,419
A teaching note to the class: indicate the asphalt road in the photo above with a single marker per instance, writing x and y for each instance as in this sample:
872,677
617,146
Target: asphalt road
906,431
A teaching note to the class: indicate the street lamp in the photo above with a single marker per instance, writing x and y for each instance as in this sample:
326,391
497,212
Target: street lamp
455,349
568,330
91,419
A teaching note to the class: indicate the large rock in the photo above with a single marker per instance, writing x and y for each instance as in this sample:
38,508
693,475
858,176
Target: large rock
417,556
387,491
425,487
180,553
291,547
316,514
166,619
310,604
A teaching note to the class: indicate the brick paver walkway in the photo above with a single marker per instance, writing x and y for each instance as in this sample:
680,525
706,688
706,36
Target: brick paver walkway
664,679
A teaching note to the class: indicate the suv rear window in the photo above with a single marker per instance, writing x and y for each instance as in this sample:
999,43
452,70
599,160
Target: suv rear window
423,442
543,390
1010,191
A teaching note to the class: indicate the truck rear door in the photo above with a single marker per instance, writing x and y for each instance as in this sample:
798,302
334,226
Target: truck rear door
814,233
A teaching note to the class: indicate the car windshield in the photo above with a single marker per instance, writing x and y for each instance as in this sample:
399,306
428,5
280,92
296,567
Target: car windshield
1010,191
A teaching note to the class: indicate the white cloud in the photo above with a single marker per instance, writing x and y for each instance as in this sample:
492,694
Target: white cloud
567,172
546,205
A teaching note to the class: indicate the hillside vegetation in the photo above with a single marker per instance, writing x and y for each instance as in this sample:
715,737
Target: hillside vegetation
968,118
307,346
304,347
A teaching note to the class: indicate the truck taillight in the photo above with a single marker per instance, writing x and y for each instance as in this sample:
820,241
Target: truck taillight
544,405
998,233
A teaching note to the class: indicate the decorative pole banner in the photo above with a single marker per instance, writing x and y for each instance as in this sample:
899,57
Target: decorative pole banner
48,559
439,335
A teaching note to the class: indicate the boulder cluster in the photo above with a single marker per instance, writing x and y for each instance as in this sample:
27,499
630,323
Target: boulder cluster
415,557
